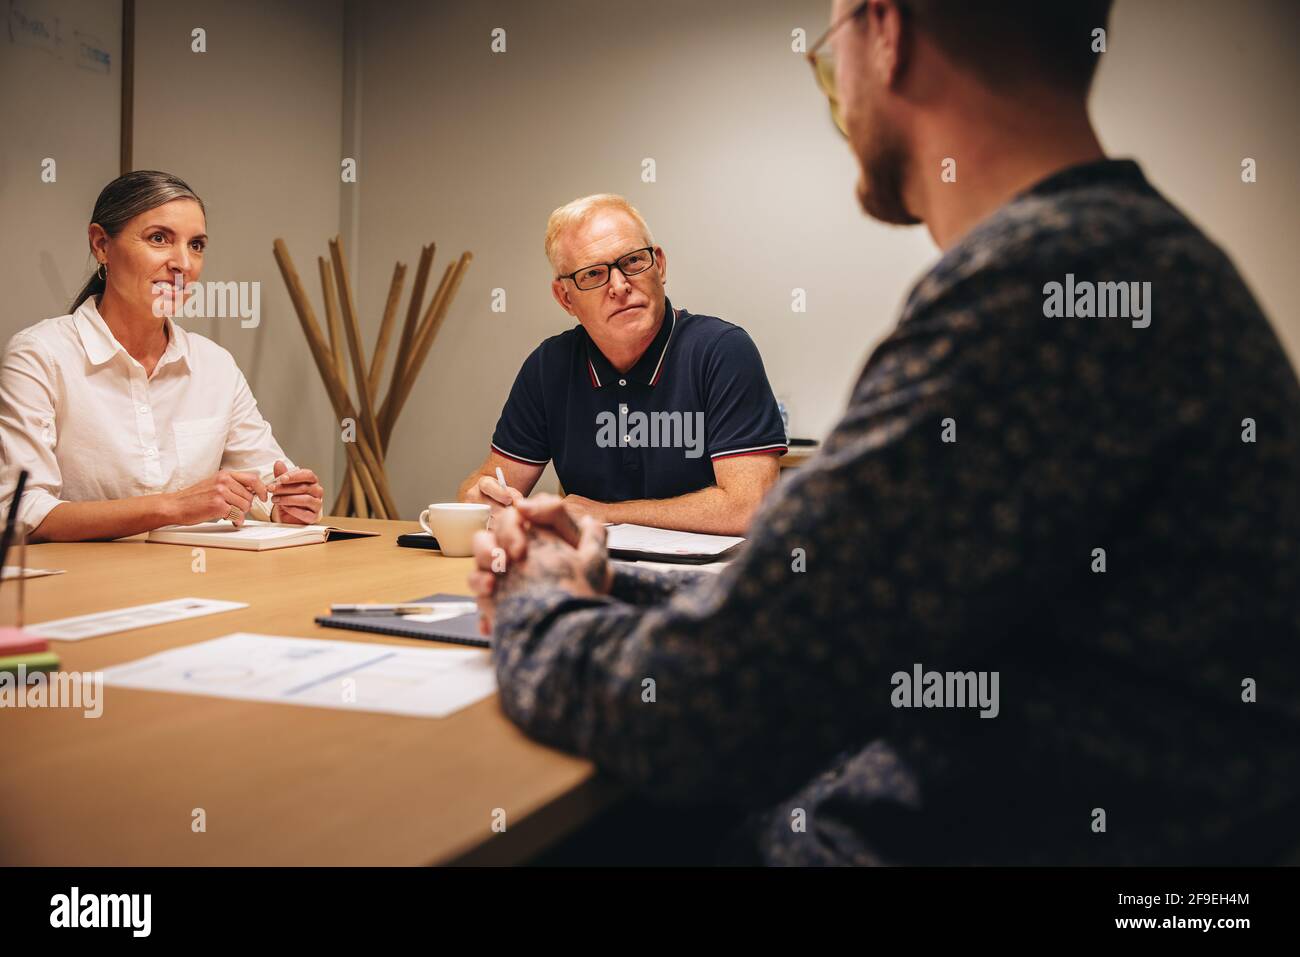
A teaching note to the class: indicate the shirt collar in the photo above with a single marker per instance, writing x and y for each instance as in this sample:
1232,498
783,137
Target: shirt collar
648,369
101,345
1102,172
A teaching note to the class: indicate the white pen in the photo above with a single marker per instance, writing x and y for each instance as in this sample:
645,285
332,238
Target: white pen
501,477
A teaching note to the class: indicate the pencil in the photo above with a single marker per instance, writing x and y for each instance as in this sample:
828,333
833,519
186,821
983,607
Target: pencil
11,520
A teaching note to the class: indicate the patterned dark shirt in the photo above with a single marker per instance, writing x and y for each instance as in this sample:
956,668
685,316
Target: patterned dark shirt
1148,713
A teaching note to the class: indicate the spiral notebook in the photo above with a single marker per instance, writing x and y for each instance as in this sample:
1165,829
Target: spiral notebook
459,629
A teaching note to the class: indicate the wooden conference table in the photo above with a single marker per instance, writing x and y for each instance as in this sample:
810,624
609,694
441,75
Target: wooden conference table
279,784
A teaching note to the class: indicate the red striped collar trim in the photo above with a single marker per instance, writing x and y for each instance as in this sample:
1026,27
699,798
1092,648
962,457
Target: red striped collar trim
659,366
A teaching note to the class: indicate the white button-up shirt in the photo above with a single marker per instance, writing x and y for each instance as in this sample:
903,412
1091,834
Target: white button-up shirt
79,413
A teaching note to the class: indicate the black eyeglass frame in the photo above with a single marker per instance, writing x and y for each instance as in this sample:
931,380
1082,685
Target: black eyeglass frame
609,269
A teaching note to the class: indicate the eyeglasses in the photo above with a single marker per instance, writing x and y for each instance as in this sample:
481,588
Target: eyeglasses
823,64
597,274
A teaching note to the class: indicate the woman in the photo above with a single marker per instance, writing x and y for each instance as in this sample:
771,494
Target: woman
125,421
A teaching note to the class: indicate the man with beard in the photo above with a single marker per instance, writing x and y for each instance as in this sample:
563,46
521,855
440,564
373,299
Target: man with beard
1064,507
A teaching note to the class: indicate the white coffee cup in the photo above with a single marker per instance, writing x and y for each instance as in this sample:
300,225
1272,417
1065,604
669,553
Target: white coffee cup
453,524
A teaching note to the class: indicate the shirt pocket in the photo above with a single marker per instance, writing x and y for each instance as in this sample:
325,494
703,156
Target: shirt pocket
200,444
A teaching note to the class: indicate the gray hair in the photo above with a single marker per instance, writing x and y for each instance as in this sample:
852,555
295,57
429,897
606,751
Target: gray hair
126,198
578,211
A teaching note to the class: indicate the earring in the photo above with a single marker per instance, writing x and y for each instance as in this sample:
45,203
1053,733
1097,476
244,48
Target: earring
102,271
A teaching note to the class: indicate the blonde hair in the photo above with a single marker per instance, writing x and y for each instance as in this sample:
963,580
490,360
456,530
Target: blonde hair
578,211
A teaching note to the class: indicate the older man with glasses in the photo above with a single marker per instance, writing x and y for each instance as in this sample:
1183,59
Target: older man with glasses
652,414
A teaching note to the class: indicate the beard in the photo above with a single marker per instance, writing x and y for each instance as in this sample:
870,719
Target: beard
883,165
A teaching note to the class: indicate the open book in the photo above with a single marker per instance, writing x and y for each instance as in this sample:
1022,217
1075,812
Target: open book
642,542
254,536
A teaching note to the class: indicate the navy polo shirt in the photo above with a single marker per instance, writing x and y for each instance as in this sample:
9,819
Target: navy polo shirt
697,394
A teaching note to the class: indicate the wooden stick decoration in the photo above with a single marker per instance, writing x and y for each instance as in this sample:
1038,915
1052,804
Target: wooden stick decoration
362,454
385,330
351,495
359,451
404,365
437,312
376,365
413,309
408,329
337,345
361,377
365,482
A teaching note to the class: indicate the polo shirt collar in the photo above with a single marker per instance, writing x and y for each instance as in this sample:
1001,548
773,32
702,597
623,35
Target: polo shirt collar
101,345
648,369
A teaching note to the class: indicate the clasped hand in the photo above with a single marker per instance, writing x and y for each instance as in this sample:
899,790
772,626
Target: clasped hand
537,542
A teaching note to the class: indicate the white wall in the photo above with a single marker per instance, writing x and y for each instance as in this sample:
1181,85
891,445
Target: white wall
59,99
754,194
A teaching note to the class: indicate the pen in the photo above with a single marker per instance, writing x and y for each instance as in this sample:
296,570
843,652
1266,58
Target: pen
386,609
501,477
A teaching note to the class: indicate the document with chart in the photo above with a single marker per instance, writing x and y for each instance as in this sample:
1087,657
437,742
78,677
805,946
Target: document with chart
349,675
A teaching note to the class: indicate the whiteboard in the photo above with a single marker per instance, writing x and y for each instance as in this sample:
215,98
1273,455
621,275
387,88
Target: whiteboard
60,100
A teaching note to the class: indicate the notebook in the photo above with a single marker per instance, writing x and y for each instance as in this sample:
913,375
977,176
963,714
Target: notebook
15,641
643,543
459,629
254,536
36,661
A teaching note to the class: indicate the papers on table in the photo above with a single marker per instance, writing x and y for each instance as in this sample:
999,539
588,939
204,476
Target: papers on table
135,616
348,675
644,542
711,567
253,536
13,571
442,611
